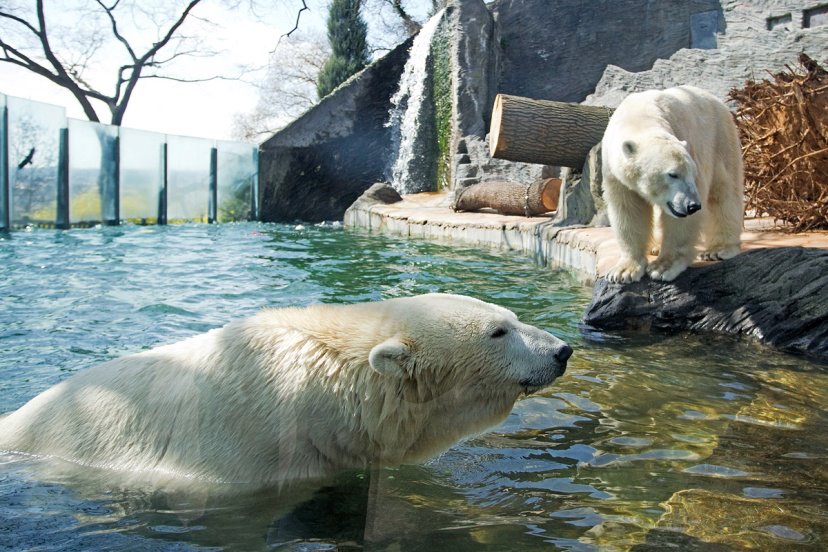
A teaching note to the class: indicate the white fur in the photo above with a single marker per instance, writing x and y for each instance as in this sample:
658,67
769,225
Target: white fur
296,393
660,148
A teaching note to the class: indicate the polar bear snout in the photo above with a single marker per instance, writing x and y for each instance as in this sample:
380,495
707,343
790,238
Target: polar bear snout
684,202
563,354
683,211
546,359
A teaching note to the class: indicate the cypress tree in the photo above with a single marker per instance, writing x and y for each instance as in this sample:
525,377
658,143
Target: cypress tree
347,34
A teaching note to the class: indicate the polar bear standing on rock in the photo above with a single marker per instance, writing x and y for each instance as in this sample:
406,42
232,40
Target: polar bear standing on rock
673,155
290,394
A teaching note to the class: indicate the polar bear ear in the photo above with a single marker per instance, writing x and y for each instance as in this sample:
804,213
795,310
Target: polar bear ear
628,147
389,357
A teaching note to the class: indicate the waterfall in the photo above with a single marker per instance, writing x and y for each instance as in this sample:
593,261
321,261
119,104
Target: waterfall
409,116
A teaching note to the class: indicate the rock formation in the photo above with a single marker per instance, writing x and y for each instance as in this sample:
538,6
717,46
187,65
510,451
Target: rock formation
565,51
776,296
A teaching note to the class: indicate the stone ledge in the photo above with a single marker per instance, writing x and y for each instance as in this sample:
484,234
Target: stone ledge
589,251
774,291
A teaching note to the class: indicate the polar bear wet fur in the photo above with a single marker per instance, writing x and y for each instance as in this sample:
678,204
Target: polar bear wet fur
297,393
672,157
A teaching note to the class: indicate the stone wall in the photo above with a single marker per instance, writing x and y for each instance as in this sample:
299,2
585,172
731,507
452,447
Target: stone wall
558,50
314,168
761,37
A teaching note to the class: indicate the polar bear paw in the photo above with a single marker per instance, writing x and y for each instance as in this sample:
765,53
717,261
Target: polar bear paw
719,253
626,271
666,269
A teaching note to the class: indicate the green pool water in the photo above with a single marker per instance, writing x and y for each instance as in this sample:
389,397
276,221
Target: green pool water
648,442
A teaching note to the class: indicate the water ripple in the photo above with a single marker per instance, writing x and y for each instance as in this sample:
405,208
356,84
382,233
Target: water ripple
644,436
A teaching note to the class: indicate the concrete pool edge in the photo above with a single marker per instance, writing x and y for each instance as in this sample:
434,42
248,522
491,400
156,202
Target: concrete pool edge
590,252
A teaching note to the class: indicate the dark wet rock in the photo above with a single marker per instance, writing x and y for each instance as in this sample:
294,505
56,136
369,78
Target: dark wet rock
380,193
774,295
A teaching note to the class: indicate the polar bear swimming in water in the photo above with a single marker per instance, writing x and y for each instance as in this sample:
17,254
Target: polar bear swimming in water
296,393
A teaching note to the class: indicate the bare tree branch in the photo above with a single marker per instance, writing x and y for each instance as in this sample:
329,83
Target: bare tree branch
67,71
62,76
295,26
122,101
412,26
21,21
181,79
114,23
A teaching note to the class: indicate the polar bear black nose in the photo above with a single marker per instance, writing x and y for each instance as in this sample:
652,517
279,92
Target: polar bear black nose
692,207
564,353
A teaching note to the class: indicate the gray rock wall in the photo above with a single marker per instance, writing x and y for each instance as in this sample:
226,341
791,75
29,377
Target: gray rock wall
747,50
314,168
558,50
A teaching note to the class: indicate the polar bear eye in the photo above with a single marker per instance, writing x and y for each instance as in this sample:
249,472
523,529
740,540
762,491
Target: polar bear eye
673,174
500,332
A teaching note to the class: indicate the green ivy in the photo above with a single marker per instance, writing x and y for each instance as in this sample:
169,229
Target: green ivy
440,56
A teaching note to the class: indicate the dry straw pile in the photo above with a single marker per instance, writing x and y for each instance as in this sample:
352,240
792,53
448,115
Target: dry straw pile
784,129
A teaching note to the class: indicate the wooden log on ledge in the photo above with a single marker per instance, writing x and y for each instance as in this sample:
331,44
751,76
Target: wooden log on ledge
510,198
546,132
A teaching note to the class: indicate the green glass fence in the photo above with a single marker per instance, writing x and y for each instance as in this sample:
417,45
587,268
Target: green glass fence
60,172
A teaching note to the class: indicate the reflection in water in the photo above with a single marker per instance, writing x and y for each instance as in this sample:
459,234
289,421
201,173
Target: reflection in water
690,442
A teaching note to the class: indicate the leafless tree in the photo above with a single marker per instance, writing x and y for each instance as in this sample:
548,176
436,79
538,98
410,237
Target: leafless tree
68,46
288,88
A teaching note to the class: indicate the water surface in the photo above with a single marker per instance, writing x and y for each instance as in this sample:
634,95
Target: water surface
646,442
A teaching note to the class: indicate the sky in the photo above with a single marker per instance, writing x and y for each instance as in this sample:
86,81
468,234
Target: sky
243,38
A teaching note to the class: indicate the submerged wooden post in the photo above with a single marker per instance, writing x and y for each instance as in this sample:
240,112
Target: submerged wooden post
62,215
212,202
546,132
5,195
162,192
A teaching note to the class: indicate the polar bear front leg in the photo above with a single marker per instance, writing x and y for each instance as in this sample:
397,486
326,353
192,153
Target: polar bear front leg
678,247
631,217
723,227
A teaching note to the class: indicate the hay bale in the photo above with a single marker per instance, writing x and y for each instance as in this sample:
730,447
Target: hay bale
783,125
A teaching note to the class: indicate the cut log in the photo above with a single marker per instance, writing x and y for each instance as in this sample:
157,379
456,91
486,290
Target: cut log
546,132
510,198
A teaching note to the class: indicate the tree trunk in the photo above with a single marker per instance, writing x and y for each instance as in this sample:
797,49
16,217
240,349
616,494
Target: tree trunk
545,132
510,198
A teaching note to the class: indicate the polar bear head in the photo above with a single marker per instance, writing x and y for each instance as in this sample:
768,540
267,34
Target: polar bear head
662,171
441,335
450,366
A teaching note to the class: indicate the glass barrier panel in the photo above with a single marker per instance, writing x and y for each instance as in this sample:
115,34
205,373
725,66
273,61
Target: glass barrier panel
34,135
92,172
142,175
237,170
4,171
188,179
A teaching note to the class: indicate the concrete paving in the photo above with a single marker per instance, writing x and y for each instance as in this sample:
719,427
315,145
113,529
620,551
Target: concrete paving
589,251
